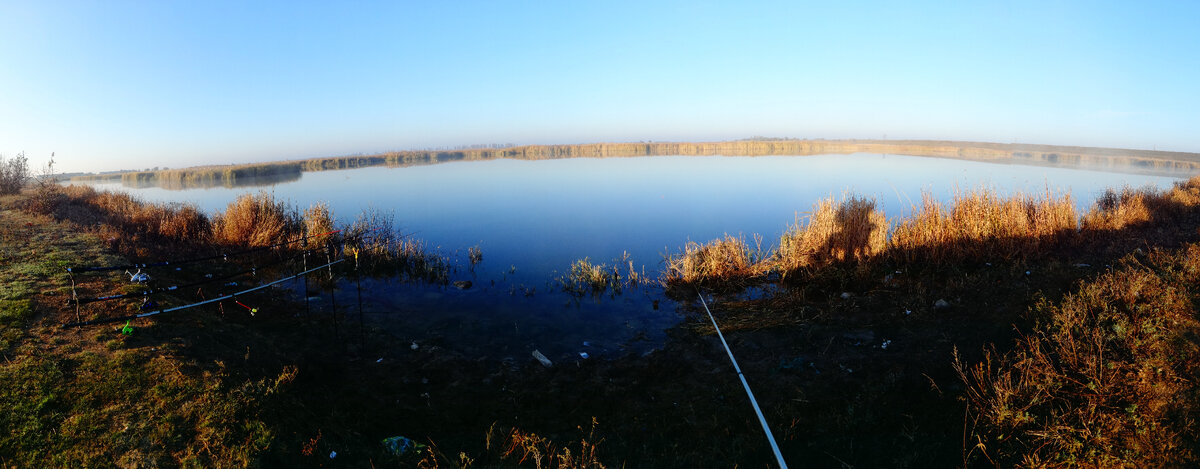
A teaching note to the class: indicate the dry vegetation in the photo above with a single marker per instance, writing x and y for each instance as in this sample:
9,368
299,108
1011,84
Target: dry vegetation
973,226
1106,378
586,277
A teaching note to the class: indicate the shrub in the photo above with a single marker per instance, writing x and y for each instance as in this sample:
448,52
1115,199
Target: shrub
14,173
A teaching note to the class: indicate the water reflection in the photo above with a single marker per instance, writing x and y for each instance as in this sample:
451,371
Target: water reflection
533,219
209,183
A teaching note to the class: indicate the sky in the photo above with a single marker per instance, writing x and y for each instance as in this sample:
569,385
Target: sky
109,85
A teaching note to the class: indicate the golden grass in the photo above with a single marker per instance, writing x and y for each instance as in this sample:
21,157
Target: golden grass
852,230
974,225
982,224
318,219
722,260
585,277
255,220
181,222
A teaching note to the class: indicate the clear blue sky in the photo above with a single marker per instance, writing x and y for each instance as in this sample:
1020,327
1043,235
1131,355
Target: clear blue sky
112,84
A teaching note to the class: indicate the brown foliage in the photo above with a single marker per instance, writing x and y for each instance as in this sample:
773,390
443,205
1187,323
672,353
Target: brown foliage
850,231
1105,378
982,224
255,220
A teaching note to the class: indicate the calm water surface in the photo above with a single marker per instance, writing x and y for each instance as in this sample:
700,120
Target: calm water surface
533,218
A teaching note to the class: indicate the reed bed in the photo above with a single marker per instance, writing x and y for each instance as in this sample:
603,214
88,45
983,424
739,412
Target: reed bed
974,225
720,261
374,234
852,230
256,220
177,222
982,224
318,219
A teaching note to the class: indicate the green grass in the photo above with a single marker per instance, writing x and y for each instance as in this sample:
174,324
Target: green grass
130,408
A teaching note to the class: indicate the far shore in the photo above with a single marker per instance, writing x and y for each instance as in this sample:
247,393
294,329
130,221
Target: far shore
1165,163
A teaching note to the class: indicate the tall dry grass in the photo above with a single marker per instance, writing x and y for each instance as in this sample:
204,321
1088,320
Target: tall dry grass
724,260
983,224
373,234
318,219
179,222
256,220
973,225
852,230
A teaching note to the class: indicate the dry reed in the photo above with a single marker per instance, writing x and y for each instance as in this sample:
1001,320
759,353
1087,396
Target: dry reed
852,230
981,224
255,220
728,259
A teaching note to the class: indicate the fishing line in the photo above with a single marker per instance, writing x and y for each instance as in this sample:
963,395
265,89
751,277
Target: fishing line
82,301
193,305
198,259
761,419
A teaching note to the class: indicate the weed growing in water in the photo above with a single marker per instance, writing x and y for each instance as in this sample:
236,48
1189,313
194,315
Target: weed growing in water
474,255
595,279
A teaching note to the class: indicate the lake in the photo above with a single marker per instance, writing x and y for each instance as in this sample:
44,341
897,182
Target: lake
533,218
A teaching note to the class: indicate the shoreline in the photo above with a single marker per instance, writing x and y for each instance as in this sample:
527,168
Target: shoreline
1151,162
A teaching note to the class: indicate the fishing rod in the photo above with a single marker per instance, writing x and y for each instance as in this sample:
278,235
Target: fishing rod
253,270
198,259
753,402
193,305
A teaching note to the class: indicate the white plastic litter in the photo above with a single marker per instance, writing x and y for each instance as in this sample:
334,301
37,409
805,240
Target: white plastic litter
542,358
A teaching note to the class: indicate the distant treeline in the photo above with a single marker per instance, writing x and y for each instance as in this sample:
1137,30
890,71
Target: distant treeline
1157,162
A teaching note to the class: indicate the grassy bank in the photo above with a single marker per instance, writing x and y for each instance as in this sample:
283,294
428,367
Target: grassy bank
1161,162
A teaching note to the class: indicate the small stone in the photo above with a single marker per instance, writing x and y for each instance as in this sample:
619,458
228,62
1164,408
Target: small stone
941,304
462,284
847,295
414,346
